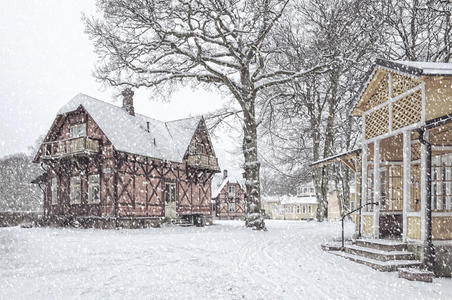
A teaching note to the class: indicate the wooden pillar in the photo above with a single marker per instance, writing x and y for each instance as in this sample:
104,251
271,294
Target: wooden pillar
423,187
376,189
426,200
363,185
406,180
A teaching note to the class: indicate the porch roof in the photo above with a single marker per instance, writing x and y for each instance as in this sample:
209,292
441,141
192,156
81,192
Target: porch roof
345,157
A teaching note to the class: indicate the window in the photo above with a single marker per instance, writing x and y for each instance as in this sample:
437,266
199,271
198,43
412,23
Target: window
305,190
199,148
170,192
54,190
312,190
93,189
78,130
442,182
304,209
298,209
309,209
231,207
231,190
75,190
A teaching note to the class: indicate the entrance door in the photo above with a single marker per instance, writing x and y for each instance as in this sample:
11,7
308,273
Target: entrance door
170,200
390,221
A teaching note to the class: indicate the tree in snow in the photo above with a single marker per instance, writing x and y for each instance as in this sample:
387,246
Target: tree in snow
219,43
16,190
315,110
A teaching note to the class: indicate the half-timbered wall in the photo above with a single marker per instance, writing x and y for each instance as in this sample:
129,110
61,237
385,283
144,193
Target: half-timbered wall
130,185
223,201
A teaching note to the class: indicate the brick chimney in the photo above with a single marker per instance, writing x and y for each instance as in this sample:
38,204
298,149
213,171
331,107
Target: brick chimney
225,174
127,101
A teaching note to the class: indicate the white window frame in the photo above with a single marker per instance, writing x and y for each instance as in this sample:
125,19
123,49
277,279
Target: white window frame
304,209
231,207
54,191
93,184
170,193
231,190
75,195
309,208
77,130
298,209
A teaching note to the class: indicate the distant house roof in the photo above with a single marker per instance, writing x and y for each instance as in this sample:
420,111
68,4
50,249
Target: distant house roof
230,179
286,199
129,133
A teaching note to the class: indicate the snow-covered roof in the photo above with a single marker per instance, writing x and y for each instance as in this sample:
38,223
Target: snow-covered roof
286,199
230,179
129,133
417,67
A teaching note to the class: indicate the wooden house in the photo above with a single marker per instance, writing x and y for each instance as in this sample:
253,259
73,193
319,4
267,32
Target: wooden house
102,161
300,207
229,199
403,168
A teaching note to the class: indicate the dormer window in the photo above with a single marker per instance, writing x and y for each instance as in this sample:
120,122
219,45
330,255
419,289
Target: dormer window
78,130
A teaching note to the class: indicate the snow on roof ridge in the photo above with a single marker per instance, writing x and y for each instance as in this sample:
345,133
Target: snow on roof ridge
231,179
129,133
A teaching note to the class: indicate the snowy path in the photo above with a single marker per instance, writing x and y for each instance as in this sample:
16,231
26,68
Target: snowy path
218,262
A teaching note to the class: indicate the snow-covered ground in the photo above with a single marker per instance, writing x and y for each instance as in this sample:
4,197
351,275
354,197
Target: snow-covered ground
225,261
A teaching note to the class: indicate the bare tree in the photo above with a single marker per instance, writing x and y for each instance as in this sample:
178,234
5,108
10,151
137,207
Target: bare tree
318,30
221,43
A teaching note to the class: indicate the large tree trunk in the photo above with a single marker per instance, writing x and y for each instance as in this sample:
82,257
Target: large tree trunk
255,216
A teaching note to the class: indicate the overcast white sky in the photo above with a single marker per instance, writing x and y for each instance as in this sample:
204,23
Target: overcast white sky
46,59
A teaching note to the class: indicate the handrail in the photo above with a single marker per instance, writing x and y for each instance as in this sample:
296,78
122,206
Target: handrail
349,213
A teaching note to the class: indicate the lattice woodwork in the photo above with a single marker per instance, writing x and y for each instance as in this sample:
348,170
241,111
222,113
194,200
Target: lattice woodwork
401,84
407,110
380,95
377,122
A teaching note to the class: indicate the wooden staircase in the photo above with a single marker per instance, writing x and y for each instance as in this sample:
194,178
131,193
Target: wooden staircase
381,255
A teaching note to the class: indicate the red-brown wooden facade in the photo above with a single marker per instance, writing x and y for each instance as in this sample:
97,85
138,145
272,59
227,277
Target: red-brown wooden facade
130,184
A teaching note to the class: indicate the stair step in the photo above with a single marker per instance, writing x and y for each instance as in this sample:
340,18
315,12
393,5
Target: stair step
385,245
377,254
385,266
416,274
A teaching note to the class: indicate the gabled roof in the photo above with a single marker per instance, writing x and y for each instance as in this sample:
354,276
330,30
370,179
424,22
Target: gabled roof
129,133
410,68
230,179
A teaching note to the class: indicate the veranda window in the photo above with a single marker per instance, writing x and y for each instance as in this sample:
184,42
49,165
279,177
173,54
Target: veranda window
442,182
93,189
54,191
75,190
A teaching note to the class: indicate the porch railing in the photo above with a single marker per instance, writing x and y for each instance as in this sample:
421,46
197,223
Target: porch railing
56,149
360,220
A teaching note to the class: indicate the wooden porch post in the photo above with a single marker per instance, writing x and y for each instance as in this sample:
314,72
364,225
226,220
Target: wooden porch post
406,180
363,186
426,200
376,189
